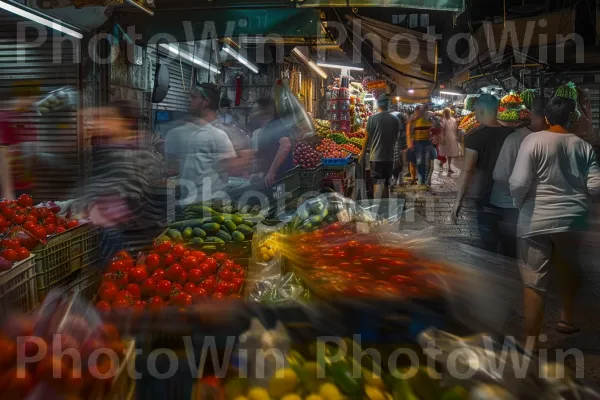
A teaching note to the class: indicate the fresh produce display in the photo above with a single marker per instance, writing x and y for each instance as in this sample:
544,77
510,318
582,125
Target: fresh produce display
267,250
360,134
358,142
329,149
305,156
351,148
57,373
468,123
42,222
528,96
470,102
511,109
511,100
170,275
323,127
213,223
13,248
338,138
568,90
508,114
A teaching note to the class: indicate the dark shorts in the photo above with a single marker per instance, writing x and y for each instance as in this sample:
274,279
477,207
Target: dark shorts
382,170
411,156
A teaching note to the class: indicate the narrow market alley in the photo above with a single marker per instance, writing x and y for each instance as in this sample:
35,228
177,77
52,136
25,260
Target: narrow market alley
435,206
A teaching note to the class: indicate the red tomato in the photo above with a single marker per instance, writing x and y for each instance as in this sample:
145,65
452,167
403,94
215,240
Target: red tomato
22,253
222,287
177,251
148,288
138,275
103,306
195,275
158,274
139,306
174,272
72,223
108,291
25,200
167,260
229,264
182,300
212,263
43,212
183,278
11,243
206,269
163,247
19,219
152,261
237,284
225,274
155,303
9,254
163,288
119,277
134,289
122,255
219,256
198,294
176,288
189,288
198,254
60,229
189,262
117,265
9,213
50,228
209,284
218,296
50,220
121,304
124,295
3,222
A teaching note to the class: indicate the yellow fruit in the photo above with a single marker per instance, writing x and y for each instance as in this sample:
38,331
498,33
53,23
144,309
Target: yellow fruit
373,393
271,252
314,397
265,257
330,392
372,379
292,396
312,369
258,393
283,382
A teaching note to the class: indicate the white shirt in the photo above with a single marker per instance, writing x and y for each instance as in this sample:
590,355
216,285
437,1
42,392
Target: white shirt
504,167
555,177
205,146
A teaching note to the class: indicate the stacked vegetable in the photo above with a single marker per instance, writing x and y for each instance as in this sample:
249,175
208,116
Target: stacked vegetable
351,148
510,109
338,138
569,91
323,127
468,123
528,96
305,156
215,224
170,275
330,149
470,102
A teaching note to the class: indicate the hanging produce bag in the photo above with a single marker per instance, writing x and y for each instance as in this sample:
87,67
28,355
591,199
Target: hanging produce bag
289,109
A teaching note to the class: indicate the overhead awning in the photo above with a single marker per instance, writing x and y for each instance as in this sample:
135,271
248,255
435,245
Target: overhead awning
407,57
442,5
188,25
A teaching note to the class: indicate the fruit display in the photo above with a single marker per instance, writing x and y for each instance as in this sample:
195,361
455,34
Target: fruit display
212,223
470,102
338,138
468,123
170,275
351,148
13,249
330,149
267,250
305,156
323,127
511,100
359,134
568,90
358,142
48,351
508,114
528,96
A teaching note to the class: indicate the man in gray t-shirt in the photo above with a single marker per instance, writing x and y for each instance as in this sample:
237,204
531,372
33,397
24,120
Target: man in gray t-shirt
383,131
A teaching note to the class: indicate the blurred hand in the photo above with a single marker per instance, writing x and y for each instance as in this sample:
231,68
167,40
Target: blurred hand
110,212
454,215
270,179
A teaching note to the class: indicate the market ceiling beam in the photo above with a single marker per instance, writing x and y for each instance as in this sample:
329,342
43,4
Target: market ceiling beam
440,5
188,25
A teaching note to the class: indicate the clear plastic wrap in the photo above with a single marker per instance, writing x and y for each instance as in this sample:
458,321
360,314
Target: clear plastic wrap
277,290
291,112
62,99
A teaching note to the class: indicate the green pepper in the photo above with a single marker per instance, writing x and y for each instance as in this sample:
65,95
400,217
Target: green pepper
341,373
296,362
402,391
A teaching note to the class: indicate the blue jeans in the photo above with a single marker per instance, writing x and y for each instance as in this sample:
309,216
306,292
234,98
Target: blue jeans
424,152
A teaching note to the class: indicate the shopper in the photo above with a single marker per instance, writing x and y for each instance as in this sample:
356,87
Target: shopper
424,149
117,195
482,148
556,176
410,152
501,197
273,144
208,156
449,146
383,132
400,148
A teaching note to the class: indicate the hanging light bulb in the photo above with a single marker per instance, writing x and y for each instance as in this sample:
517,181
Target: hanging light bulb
411,90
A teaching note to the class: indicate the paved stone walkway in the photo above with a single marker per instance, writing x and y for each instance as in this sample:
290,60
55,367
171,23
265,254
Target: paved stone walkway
434,207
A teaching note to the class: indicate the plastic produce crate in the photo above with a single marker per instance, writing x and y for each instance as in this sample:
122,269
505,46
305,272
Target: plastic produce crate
87,283
64,254
327,162
310,179
18,287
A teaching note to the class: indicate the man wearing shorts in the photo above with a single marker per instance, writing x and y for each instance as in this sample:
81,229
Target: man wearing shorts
383,131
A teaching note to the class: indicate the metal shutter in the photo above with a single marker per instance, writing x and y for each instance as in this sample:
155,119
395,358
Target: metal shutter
58,135
180,75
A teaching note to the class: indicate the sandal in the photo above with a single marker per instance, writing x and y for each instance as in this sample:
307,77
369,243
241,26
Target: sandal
565,328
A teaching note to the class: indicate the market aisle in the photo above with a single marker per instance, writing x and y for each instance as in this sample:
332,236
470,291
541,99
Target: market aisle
435,207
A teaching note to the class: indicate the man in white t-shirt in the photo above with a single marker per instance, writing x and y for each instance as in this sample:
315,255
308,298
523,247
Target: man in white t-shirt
207,154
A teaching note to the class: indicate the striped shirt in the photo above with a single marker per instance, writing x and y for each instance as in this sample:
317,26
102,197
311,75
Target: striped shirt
421,127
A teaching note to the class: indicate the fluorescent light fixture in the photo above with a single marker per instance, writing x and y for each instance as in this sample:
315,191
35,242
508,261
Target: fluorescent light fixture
241,58
141,7
311,64
339,66
450,93
397,98
23,11
189,57
411,90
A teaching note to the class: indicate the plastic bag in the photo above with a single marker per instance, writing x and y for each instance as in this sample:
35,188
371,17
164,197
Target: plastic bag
279,290
291,112
62,99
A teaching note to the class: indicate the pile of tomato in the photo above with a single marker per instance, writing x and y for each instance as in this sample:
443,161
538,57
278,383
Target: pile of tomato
329,149
338,264
56,368
170,275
